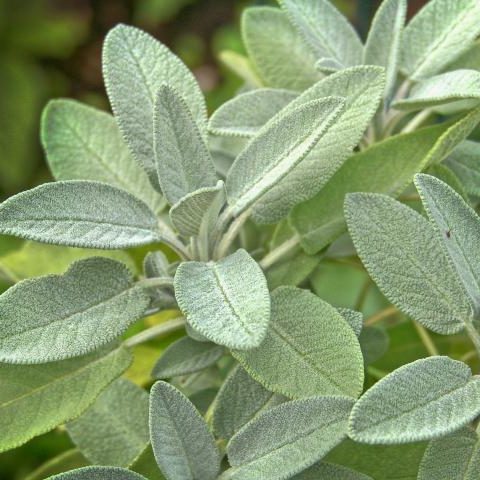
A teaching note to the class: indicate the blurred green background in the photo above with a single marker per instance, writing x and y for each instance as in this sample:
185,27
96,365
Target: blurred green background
52,48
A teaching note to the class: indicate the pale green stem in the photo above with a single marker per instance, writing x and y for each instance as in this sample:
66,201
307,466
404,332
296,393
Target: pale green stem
168,237
426,339
382,314
279,252
230,235
416,121
155,332
156,282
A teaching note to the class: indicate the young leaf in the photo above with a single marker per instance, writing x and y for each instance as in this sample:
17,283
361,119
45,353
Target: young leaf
34,399
183,446
384,40
264,165
68,315
155,264
135,66
186,356
438,34
330,471
120,412
309,349
245,114
182,158
422,400
464,163
287,439
58,213
278,53
326,30
83,143
456,457
226,301
98,473
400,250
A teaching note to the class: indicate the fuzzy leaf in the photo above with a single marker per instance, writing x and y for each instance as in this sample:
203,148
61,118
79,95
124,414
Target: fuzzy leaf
297,358
59,213
34,399
120,413
68,315
98,473
226,301
183,446
464,163
155,264
437,35
330,471
400,250
353,318
422,400
288,438
135,66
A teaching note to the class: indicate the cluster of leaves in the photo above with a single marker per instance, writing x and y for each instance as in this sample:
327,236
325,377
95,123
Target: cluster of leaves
269,381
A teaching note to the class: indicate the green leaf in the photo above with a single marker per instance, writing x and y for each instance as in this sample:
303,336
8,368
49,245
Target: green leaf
155,264
241,66
353,318
278,53
240,400
464,163
120,413
226,301
245,114
98,473
62,316
374,342
34,399
423,400
260,174
446,175
183,446
67,460
135,66
470,59
437,35
296,358
400,250
83,143
186,356
182,158
456,457
288,438
326,30
384,39
330,471
58,213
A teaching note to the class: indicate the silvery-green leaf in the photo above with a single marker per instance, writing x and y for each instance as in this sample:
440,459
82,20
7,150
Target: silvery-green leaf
383,42
374,342
466,166
68,315
135,66
401,252
440,89
328,66
446,175
330,471
198,211
279,54
186,356
438,34
287,439
362,88
423,400
120,413
245,114
59,213
239,400
353,318
34,399
456,457
297,358
470,59
155,264
182,444
182,158
263,166
226,301
241,66
458,228
98,473
326,30
83,143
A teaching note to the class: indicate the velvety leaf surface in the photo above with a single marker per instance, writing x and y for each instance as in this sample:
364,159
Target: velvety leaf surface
98,473
330,471
464,163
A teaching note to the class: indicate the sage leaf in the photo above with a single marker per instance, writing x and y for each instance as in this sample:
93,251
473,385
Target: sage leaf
226,301
182,158
83,143
422,400
186,356
286,439
68,315
297,358
353,318
58,213
241,66
135,66
34,399
469,59
456,457
326,30
464,163
328,66
330,471
374,342
437,35
120,412
401,252
155,264
98,473
182,444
